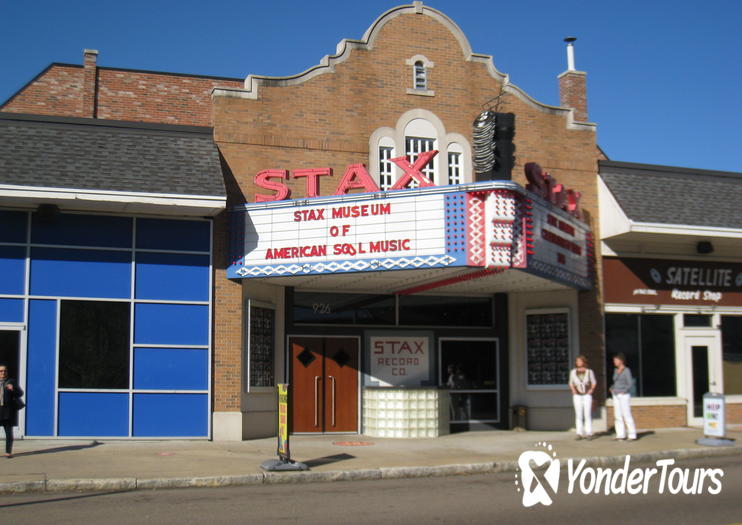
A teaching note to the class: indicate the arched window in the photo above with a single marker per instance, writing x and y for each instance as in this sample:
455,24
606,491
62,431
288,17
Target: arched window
455,163
386,167
416,132
420,76
421,67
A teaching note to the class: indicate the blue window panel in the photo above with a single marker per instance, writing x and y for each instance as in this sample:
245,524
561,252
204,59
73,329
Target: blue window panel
167,234
171,368
93,414
13,226
171,324
83,230
175,277
11,310
171,415
41,367
12,269
80,273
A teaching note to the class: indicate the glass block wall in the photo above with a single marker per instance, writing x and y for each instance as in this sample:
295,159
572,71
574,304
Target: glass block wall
405,412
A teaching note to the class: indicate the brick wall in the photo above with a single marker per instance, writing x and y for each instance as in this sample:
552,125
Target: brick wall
57,91
658,416
326,121
119,94
734,413
227,329
156,97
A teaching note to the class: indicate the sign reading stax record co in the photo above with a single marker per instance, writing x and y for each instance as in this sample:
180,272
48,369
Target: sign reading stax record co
492,224
658,281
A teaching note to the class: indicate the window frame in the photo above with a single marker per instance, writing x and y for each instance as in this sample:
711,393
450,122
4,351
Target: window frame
249,304
570,343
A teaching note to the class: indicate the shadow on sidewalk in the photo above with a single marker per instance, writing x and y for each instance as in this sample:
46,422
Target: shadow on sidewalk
46,499
68,448
327,460
611,432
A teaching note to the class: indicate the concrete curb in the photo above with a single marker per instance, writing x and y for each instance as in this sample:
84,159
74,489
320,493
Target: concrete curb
273,478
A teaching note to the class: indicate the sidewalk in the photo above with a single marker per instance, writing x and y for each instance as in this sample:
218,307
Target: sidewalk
62,465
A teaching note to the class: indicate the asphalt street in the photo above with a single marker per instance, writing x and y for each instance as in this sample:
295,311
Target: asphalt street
464,499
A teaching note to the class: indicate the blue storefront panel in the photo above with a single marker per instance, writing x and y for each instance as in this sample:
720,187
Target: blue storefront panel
171,324
41,367
172,276
163,234
80,273
170,415
93,414
12,269
88,261
171,368
11,310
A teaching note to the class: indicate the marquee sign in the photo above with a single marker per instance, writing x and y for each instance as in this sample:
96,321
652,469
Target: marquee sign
484,225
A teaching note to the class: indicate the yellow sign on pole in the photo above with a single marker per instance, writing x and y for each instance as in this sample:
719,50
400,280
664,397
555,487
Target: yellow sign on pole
284,461
283,422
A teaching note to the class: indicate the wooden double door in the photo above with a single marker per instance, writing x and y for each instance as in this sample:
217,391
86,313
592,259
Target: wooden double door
323,393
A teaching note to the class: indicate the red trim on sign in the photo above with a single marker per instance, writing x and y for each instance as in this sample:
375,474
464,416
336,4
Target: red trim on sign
451,280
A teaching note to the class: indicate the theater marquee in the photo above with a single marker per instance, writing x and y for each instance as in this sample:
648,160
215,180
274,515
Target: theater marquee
484,225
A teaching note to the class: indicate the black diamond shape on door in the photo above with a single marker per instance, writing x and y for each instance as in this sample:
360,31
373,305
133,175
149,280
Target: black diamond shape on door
341,357
306,357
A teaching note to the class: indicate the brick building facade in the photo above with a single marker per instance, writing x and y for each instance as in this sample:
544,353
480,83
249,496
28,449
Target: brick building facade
411,77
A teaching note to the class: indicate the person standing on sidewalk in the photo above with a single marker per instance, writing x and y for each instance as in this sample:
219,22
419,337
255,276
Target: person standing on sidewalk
621,390
582,383
10,403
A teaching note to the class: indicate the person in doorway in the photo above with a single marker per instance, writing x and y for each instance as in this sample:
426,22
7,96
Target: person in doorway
10,403
621,390
460,402
582,383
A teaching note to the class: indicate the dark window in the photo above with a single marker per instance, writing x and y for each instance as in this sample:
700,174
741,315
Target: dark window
425,310
731,341
648,341
547,348
696,320
262,333
338,308
94,345
469,371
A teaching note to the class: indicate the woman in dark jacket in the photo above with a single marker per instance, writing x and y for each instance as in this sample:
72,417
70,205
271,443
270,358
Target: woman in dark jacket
10,403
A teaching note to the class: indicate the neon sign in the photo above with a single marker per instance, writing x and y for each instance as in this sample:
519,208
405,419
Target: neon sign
356,177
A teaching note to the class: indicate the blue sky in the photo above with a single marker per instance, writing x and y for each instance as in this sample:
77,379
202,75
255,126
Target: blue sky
664,76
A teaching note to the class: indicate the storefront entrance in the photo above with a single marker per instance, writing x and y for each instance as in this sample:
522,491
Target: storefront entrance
323,395
470,370
10,353
701,352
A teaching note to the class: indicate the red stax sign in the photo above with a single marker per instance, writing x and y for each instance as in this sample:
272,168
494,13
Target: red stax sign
546,187
356,177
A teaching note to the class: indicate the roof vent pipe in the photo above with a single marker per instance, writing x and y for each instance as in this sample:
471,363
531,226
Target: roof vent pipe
570,53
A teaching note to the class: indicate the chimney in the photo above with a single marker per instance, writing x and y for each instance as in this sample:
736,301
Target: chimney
89,84
572,85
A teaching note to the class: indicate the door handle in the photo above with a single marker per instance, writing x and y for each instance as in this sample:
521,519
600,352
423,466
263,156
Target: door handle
332,379
316,400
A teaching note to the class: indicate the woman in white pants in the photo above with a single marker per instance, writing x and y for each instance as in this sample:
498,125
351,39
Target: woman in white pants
621,391
582,384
